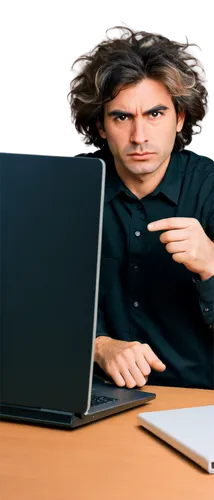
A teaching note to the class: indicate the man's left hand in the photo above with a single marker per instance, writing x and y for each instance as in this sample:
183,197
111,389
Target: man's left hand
186,240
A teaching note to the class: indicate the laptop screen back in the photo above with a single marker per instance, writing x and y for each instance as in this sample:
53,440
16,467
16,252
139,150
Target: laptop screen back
51,222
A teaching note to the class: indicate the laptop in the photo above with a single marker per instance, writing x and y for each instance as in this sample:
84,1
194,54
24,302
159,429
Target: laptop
51,232
189,430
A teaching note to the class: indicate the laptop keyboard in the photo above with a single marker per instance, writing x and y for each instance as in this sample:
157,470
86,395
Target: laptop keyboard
100,400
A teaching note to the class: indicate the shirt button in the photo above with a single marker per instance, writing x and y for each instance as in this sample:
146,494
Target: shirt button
136,267
136,304
137,233
206,309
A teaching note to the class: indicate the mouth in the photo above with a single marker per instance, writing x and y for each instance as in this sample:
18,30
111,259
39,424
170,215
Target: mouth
141,155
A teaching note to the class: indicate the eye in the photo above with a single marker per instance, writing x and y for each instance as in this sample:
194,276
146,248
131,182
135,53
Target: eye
156,114
121,118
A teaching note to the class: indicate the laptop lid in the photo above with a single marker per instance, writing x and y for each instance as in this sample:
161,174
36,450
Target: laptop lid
51,229
189,430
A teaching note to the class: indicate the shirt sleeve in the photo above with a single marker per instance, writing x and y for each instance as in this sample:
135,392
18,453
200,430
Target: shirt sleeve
102,329
205,289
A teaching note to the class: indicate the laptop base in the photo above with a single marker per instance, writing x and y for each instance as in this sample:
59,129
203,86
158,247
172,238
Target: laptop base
123,399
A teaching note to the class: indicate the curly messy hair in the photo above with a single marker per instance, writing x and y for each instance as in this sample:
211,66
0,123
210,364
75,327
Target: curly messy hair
118,63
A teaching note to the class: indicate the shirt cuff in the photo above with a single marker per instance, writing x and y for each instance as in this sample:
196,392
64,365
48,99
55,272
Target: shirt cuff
101,325
205,291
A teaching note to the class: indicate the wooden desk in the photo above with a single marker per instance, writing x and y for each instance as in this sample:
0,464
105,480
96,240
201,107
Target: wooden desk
113,459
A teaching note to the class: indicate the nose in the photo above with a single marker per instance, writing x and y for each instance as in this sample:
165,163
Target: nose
138,131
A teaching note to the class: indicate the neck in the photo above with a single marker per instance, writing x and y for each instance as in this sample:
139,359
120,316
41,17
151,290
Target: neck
142,184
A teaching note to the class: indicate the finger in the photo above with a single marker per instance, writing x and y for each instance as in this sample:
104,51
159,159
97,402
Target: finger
139,376
153,360
117,377
121,375
158,365
179,257
133,377
170,223
130,372
176,235
177,246
143,365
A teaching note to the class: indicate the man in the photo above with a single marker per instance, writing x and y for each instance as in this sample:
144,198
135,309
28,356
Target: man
138,99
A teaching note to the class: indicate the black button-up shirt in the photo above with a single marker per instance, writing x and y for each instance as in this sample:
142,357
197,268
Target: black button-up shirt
144,294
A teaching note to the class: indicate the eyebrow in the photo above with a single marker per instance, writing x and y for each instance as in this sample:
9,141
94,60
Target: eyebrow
118,112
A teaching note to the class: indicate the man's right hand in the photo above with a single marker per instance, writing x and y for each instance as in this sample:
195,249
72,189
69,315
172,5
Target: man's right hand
128,363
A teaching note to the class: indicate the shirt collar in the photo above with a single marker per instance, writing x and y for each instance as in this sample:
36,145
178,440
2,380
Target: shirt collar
169,186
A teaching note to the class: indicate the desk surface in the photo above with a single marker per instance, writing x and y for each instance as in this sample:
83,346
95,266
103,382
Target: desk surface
110,459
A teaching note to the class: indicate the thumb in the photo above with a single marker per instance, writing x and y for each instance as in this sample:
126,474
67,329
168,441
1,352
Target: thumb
157,365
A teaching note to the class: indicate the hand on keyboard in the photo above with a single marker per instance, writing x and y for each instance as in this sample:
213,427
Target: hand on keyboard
128,363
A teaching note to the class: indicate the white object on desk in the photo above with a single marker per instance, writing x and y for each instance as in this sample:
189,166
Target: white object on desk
189,430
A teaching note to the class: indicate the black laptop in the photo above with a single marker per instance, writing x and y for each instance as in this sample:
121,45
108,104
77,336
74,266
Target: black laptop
51,232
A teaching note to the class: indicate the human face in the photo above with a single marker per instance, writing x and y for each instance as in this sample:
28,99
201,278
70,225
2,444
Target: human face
140,126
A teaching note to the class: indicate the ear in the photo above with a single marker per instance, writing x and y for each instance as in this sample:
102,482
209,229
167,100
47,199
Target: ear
100,129
180,121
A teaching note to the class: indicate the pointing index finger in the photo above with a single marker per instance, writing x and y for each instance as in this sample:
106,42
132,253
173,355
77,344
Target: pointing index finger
170,223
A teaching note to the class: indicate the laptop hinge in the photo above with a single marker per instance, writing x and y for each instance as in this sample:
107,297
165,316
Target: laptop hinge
81,415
